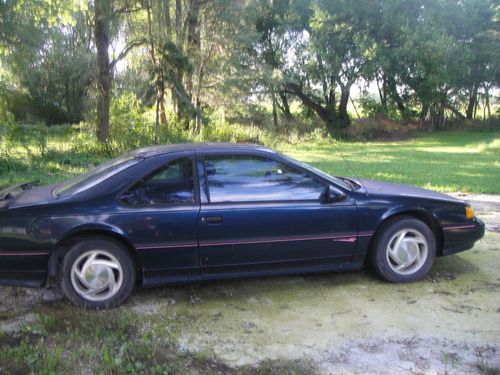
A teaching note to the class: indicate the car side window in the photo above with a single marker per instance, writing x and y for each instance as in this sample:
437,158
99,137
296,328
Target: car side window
171,184
258,179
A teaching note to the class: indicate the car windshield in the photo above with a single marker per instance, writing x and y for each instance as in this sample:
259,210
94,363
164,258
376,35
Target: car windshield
95,176
339,181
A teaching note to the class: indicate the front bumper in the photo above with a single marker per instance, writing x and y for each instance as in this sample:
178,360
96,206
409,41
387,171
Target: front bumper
462,237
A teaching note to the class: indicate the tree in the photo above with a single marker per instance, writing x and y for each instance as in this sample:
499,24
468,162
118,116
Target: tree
49,55
102,38
105,15
333,53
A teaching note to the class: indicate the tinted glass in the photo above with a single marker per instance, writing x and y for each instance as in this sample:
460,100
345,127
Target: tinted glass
95,176
256,179
172,184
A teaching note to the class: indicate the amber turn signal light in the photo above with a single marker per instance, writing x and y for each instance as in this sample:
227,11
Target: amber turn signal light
469,212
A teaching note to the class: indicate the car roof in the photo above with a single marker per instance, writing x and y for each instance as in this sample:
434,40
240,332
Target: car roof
200,146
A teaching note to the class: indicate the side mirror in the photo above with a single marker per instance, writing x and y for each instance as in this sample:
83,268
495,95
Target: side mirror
332,195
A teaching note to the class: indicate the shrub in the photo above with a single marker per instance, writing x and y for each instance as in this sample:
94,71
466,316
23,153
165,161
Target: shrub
380,128
129,125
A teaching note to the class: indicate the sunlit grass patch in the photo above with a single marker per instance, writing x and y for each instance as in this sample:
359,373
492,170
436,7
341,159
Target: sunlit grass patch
441,161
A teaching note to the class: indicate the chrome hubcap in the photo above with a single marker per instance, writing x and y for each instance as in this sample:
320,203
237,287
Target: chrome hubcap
96,275
407,251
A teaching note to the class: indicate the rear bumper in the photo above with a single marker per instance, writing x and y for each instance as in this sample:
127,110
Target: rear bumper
462,237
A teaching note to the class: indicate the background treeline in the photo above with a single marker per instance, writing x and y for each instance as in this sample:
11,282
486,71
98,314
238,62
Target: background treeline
160,70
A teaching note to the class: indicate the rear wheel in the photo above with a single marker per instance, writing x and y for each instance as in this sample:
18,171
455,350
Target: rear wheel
404,250
97,273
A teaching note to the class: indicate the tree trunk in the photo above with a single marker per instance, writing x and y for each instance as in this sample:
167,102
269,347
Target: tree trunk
354,106
178,23
483,103
197,101
423,115
344,100
168,23
157,121
179,43
193,40
454,111
327,115
395,95
487,97
67,95
157,70
475,108
197,123
102,14
163,114
286,105
275,112
382,92
322,112
472,102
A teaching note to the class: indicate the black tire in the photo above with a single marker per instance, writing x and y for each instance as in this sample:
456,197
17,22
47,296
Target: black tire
105,250
388,234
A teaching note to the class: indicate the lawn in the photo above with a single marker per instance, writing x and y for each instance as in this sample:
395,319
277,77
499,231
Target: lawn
448,162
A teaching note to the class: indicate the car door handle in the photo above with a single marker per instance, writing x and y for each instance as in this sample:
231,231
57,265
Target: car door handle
211,219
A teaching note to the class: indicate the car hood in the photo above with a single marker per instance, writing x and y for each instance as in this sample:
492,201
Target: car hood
375,187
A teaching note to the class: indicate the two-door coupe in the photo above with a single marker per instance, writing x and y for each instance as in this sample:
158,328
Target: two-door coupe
190,212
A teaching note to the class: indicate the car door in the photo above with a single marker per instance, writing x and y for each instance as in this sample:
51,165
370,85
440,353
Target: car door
261,212
160,213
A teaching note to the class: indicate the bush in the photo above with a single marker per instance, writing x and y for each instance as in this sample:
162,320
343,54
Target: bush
380,128
32,137
129,125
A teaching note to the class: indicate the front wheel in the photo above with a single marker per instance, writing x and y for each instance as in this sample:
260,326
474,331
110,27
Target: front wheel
404,250
97,273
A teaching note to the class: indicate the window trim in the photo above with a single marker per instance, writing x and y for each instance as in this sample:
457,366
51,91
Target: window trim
270,157
155,170
201,160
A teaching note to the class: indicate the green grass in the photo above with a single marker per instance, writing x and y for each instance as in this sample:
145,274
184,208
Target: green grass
449,162
67,340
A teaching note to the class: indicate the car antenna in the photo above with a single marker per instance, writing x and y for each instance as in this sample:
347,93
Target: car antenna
348,164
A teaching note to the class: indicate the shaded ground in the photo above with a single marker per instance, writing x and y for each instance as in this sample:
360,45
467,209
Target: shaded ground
338,323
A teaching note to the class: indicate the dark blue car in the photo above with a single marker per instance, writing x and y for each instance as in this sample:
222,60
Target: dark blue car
190,212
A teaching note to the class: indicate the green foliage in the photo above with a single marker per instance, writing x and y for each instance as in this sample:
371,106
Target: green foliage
97,340
129,125
47,52
371,107
260,62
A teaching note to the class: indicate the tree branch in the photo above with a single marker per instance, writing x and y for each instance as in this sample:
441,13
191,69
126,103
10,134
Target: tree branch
126,50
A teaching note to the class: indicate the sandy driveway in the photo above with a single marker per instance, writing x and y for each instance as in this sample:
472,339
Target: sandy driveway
340,323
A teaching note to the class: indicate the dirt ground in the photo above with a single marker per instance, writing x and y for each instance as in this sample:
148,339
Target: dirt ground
339,323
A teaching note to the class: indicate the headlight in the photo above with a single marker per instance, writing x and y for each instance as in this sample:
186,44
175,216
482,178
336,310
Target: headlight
469,212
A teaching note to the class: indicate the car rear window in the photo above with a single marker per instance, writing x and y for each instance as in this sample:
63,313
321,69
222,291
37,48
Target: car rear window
95,176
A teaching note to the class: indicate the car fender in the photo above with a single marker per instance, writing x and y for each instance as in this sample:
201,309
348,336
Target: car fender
82,229
95,227
416,211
